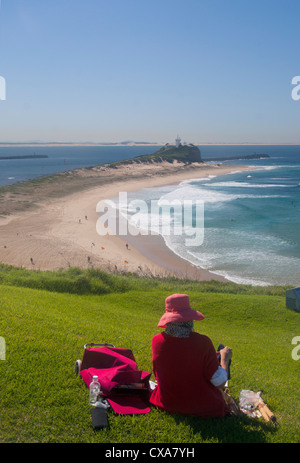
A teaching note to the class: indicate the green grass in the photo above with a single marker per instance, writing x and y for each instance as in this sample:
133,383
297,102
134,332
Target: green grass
169,153
46,318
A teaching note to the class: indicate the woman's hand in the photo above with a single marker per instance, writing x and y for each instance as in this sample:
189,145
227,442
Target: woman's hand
226,355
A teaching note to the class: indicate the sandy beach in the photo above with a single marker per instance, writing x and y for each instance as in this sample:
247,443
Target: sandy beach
50,223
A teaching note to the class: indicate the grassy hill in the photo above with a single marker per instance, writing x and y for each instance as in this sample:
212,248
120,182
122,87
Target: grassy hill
46,318
169,153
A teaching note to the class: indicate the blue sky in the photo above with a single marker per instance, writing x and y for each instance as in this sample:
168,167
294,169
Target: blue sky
111,70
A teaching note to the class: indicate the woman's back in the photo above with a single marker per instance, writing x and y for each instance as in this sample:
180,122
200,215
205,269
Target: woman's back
183,368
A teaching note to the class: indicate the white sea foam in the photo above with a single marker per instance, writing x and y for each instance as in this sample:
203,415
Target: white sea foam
200,179
213,262
246,185
286,166
241,257
243,281
209,195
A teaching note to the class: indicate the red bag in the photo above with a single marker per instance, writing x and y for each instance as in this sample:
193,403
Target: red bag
122,384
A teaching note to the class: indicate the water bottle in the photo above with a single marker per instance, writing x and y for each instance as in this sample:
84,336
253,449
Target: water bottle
95,390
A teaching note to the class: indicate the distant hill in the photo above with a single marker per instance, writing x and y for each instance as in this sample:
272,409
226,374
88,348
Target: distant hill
170,153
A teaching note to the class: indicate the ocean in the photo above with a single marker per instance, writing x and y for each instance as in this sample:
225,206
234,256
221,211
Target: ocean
251,229
251,218
60,159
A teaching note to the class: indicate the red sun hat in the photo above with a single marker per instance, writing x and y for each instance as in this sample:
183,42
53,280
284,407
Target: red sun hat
178,309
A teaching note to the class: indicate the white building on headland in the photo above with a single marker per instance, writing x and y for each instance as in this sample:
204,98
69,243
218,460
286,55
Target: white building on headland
178,141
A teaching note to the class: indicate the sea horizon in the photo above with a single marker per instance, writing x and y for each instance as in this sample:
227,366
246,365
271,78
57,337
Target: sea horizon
138,143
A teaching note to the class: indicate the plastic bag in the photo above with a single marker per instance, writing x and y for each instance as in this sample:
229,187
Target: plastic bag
249,401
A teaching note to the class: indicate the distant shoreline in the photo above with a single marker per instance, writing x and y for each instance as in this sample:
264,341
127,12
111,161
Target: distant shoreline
7,145
26,156
41,144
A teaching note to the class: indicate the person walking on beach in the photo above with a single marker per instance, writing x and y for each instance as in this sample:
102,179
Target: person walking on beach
185,365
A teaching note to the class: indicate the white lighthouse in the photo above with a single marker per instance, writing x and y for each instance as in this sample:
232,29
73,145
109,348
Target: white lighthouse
178,141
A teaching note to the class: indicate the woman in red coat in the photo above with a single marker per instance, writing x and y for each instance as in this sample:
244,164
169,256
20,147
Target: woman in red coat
185,364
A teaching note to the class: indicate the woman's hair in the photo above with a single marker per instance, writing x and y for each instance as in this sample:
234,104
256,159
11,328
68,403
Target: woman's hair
180,329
